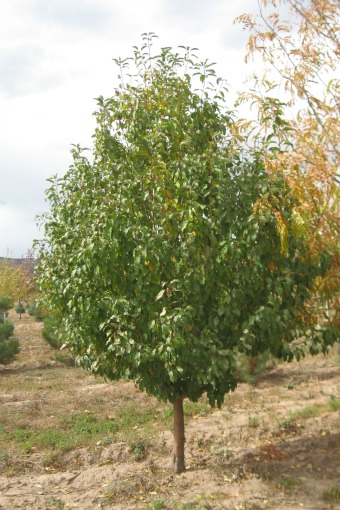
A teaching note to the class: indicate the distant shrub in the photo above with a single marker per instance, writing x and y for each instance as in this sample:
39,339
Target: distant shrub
6,330
35,311
49,332
5,304
31,307
38,315
20,308
8,349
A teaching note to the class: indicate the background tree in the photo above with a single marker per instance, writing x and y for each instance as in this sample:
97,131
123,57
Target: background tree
16,278
298,43
159,254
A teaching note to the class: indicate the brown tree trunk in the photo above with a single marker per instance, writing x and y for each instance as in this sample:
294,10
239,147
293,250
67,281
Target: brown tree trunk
179,438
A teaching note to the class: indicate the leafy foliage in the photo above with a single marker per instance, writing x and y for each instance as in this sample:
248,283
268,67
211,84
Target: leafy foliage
165,255
301,57
49,331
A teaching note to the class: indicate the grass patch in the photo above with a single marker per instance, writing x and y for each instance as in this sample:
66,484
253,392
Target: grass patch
133,419
80,430
308,412
288,484
313,411
138,448
87,429
192,409
55,503
190,505
253,421
53,460
332,495
333,404
130,487
157,504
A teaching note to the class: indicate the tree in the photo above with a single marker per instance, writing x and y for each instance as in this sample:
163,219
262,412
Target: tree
16,278
298,43
159,254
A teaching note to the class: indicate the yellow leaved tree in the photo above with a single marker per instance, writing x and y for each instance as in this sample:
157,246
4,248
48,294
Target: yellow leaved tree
16,279
296,96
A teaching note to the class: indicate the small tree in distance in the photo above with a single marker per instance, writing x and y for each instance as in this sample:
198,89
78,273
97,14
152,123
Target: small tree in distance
160,255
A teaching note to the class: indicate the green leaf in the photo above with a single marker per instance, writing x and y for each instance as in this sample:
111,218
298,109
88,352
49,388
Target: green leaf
160,294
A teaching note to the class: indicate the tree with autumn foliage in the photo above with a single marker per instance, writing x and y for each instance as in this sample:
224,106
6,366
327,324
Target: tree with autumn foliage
165,253
16,278
297,42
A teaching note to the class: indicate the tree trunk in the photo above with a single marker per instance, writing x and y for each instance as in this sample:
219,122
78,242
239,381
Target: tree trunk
179,438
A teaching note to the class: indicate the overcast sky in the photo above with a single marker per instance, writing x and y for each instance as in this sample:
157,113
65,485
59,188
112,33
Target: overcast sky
56,57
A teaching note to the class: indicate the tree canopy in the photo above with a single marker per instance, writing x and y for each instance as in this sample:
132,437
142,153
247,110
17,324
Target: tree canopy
16,279
165,253
297,42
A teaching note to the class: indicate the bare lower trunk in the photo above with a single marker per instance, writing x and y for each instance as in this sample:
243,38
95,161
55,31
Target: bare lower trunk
179,438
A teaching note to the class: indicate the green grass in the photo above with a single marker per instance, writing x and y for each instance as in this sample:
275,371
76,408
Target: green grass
133,419
192,409
80,430
253,421
157,504
288,484
87,429
55,503
190,505
132,415
313,411
308,412
332,495
333,404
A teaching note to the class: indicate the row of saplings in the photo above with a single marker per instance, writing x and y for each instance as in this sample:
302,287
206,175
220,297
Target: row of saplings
9,345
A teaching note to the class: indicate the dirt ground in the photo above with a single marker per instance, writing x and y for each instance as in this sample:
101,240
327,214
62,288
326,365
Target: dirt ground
275,444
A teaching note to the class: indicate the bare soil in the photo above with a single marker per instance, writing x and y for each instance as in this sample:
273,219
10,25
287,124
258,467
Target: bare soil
257,452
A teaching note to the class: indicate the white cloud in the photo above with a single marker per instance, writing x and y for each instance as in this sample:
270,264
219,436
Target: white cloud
56,56
21,70
12,222
74,14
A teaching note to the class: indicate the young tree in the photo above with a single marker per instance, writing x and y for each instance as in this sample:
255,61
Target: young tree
160,255
297,42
